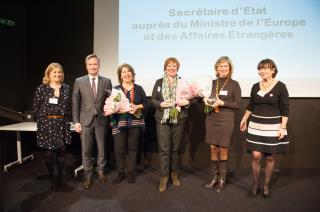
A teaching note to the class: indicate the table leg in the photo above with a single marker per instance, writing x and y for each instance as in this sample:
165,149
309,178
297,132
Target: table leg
20,160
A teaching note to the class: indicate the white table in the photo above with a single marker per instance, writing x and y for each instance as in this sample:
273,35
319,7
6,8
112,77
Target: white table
18,128
26,127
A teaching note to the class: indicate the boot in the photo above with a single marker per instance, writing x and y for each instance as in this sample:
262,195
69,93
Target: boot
213,182
175,179
223,169
215,173
221,184
163,184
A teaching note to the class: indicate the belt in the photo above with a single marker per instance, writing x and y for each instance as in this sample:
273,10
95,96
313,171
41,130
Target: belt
55,117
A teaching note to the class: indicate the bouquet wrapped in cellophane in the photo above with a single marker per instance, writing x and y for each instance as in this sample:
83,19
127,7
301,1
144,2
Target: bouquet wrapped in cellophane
117,101
184,91
204,87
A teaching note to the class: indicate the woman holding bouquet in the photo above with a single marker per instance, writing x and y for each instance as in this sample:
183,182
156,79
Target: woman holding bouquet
268,110
169,123
219,122
128,125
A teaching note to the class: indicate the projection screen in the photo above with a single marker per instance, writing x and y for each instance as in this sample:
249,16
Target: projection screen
197,32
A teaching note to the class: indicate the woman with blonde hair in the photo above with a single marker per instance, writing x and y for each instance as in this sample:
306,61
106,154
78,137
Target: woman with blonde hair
51,108
219,122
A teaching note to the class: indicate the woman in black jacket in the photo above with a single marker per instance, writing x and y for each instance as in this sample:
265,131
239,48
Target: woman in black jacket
169,126
127,127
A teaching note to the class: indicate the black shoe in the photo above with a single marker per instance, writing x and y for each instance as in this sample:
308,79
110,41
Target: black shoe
120,177
213,182
131,177
254,192
266,194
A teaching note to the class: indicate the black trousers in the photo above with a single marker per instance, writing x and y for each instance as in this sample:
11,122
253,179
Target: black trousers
169,139
127,140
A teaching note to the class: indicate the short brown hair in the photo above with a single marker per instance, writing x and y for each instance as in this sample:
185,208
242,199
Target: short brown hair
222,60
129,67
268,63
171,60
52,66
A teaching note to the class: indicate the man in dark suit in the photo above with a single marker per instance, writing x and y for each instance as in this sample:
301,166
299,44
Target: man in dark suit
89,94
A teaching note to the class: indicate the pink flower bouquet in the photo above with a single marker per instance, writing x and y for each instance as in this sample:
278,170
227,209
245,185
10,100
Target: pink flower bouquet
203,85
117,101
184,91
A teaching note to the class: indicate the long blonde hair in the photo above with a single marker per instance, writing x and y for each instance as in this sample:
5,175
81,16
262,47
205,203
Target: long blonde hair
46,79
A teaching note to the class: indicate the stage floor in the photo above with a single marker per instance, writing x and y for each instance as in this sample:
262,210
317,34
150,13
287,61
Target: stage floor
26,188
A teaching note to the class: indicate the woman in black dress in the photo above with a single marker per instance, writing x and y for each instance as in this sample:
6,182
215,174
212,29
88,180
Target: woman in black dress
51,108
128,127
220,122
268,110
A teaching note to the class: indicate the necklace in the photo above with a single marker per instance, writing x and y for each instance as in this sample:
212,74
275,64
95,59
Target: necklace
131,91
217,86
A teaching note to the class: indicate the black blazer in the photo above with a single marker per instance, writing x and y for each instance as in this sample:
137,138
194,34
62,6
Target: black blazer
157,98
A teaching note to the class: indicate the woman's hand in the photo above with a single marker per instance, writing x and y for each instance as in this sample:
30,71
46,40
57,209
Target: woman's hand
77,127
243,125
134,108
183,102
122,110
205,100
281,133
218,103
165,104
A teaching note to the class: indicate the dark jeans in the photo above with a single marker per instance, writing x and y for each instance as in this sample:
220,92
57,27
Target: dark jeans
169,139
127,138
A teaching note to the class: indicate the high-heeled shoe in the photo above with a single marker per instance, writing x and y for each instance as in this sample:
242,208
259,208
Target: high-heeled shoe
221,184
213,182
266,194
254,191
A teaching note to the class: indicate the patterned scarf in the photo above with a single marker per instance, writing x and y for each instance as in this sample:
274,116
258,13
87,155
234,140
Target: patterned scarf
168,93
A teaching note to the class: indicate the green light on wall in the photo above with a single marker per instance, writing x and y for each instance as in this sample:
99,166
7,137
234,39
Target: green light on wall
7,22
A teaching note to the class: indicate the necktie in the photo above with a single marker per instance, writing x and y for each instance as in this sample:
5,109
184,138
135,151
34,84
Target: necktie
93,87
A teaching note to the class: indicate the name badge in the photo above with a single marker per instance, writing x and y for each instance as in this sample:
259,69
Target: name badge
53,101
261,93
159,89
223,93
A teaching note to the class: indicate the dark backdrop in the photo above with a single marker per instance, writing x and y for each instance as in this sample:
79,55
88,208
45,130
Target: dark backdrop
62,31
